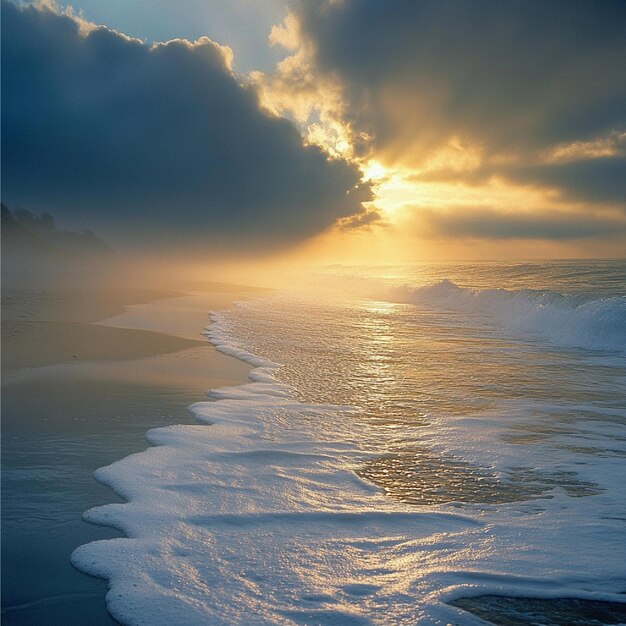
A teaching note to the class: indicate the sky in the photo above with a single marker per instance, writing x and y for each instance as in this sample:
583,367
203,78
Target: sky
336,130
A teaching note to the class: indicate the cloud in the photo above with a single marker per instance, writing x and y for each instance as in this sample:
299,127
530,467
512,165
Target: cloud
474,89
156,142
491,224
601,179
363,220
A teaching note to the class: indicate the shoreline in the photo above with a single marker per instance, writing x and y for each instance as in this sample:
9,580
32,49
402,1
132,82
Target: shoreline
65,416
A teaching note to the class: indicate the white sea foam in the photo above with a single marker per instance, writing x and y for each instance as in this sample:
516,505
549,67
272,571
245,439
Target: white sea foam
564,320
252,517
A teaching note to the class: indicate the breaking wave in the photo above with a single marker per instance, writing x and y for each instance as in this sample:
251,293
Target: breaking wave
568,320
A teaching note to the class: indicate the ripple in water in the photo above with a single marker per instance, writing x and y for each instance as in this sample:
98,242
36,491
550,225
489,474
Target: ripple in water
424,478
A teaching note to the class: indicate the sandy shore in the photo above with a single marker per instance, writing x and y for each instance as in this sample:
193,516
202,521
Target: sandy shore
85,374
35,344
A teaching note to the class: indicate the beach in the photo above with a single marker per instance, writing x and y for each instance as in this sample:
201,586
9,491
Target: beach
334,471
85,373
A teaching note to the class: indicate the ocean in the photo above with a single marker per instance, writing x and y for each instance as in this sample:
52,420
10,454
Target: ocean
417,444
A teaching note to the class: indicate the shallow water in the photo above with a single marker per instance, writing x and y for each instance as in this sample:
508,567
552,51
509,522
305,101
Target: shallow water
411,436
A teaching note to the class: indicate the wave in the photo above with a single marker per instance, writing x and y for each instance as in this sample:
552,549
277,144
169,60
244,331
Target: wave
568,320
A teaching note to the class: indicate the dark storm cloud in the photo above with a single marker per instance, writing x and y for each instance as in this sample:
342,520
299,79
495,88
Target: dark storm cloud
155,142
490,224
514,78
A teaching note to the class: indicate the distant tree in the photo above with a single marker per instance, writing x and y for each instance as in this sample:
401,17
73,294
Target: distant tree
42,227
38,223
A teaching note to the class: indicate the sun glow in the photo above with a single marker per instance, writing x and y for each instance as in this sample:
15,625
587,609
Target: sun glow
375,171
392,188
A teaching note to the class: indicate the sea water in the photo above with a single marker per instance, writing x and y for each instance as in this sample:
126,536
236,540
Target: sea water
410,437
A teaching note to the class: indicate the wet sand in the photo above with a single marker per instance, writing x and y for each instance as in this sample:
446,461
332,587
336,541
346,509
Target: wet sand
35,344
512,611
76,396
